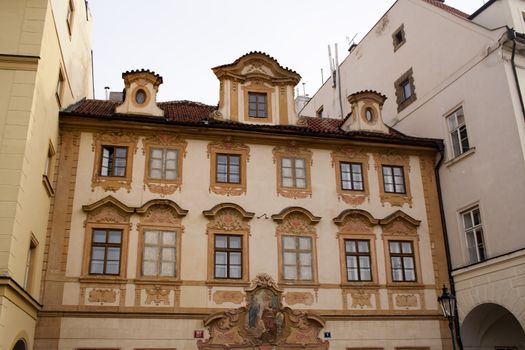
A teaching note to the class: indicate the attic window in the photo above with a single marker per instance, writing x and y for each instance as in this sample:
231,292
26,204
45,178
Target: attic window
140,96
369,115
319,112
398,38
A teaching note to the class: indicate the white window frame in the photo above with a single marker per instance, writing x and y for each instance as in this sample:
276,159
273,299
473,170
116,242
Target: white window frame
477,231
455,129
163,160
160,246
297,251
294,169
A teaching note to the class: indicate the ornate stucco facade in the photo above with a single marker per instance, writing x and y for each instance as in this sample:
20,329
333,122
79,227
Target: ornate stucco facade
241,221
45,65
459,77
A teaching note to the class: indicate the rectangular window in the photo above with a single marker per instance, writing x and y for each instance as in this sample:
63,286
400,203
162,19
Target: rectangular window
351,176
407,90
297,258
163,163
159,255
402,261
228,168
393,179
228,256
60,87
398,37
113,162
257,105
358,267
30,264
458,132
474,233
293,172
319,113
106,245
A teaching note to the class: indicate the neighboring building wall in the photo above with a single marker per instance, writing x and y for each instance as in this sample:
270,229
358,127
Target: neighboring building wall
35,45
456,63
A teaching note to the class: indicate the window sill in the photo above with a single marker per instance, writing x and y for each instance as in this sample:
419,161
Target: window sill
298,284
47,185
160,280
360,284
462,156
405,285
102,279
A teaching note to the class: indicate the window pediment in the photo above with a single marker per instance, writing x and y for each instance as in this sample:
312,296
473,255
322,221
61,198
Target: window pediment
108,210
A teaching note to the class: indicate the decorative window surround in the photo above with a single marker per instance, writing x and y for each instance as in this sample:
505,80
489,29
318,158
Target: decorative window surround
117,139
393,159
293,151
228,219
350,155
297,222
164,187
257,87
399,37
401,87
228,147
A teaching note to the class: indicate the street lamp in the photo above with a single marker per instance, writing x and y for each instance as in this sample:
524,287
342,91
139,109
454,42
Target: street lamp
447,302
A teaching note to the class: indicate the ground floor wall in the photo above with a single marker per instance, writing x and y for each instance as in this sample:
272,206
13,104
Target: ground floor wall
124,333
491,302
15,321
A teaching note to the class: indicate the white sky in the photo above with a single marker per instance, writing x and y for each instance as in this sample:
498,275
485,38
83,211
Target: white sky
183,39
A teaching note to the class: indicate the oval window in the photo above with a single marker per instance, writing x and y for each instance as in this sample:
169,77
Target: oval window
140,96
369,115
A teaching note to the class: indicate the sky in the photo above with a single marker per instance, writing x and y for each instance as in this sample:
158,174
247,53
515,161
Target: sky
183,39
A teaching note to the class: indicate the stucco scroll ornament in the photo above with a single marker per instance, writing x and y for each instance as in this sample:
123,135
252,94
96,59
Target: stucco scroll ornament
229,220
356,223
296,223
401,228
361,299
157,295
107,214
161,214
102,296
406,300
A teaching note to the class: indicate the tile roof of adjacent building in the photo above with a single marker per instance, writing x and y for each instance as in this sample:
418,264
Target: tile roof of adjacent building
142,70
448,8
202,115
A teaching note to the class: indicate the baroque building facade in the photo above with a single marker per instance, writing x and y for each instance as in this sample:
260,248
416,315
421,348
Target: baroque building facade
45,65
460,78
178,225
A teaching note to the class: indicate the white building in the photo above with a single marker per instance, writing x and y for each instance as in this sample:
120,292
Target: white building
458,77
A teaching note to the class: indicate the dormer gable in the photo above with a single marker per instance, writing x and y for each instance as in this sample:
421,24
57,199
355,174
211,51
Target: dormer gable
366,112
140,93
255,88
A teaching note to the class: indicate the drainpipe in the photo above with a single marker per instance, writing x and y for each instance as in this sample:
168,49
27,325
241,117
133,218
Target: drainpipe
512,36
447,246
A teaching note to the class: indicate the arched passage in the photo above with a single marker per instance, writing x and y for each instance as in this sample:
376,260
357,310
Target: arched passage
491,326
20,345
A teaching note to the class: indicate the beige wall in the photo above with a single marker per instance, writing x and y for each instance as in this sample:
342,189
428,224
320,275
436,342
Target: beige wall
34,44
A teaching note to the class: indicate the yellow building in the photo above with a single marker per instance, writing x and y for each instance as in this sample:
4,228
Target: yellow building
178,225
45,64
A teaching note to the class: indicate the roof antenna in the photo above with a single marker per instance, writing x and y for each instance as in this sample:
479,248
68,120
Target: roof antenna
304,89
350,41
106,88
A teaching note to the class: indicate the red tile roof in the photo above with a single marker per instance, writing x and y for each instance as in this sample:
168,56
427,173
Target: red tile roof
200,115
447,8
256,53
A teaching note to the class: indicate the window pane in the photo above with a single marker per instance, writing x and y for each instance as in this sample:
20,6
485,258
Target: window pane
171,174
406,247
120,172
351,261
400,188
290,272
364,261
149,268
155,174
220,258
452,122
410,275
366,275
350,246
352,275
98,253
96,266
300,183
235,258
287,172
408,262
287,182
235,272
220,241
168,238
396,262
167,269
235,160
121,152
395,247
467,220
288,242
235,242
356,168
289,258
397,275
156,153
306,273
300,173
299,163
172,154
387,170
477,217
305,243
113,254
363,246
305,259
171,164
345,167
151,253
99,236
114,237
220,271
222,159
234,178
151,237
112,267
286,162
168,254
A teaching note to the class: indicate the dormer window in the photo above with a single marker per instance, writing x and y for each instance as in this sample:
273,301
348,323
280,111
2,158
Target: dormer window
257,105
140,96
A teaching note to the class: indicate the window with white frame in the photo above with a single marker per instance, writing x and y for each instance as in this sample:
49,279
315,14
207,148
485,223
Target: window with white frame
163,163
474,235
293,172
158,259
458,132
297,258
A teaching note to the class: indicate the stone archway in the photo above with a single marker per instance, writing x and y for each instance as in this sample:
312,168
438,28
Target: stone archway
490,326
20,345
